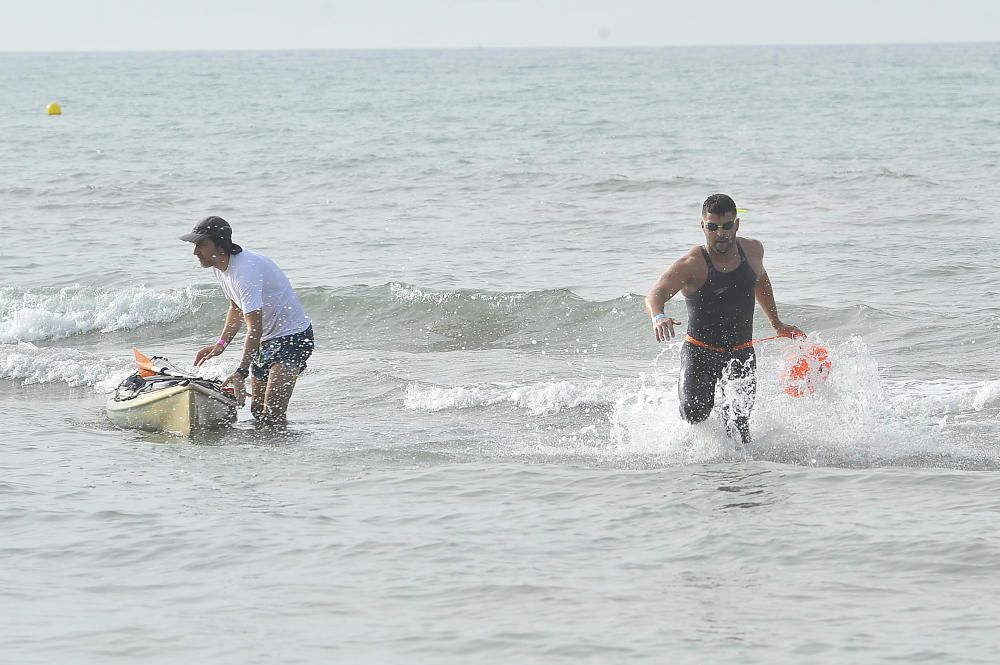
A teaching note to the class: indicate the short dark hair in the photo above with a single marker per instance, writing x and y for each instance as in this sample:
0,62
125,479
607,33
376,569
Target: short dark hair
718,204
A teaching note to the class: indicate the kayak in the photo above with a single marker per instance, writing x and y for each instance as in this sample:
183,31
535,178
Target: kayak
169,400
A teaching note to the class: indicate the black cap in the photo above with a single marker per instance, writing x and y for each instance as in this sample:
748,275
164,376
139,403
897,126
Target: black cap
212,227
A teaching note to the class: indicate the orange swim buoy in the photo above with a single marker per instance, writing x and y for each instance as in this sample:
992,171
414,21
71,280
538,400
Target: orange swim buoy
808,367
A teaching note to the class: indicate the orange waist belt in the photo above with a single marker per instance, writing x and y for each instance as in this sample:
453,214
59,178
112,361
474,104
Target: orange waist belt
718,349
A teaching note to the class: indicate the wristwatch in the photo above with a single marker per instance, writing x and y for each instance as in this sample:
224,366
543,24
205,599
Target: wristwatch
243,372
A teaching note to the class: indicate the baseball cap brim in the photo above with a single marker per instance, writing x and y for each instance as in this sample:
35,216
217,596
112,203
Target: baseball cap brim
194,237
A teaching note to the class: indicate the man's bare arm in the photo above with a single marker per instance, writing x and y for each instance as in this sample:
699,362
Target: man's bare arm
675,278
765,298
234,319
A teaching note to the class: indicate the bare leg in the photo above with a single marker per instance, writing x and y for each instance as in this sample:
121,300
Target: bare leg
280,384
257,402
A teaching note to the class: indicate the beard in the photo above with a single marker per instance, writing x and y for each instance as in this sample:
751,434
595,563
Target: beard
723,246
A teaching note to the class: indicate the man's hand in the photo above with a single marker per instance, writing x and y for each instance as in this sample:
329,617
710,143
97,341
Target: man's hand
788,331
206,353
664,328
239,387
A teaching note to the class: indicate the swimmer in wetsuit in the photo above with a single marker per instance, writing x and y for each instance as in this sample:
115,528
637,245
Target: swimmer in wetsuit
720,282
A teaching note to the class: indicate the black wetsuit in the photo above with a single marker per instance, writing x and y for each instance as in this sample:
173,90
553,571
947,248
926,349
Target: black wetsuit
720,321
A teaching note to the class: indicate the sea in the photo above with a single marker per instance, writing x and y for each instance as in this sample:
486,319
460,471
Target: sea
485,461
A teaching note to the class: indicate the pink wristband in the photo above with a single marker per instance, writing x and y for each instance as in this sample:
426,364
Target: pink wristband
223,343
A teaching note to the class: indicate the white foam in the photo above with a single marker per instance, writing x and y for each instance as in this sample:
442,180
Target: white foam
34,315
32,364
854,418
646,420
537,399
505,302
987,396
407,293
946,396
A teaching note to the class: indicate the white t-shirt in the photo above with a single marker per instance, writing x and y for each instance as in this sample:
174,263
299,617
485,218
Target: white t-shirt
253,282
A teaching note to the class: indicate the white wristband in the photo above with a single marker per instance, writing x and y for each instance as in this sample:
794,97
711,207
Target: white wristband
657,317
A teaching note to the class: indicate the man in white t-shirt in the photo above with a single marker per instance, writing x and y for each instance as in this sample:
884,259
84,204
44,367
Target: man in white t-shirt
279,336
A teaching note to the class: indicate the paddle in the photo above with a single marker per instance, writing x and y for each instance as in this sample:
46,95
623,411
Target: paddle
147,368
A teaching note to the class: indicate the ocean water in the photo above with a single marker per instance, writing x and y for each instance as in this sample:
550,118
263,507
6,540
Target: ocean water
485,462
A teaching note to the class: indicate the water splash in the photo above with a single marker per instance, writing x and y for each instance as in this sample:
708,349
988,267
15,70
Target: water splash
854,419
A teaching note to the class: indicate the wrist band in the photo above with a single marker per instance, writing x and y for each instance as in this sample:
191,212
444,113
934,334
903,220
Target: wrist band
223,343
657,317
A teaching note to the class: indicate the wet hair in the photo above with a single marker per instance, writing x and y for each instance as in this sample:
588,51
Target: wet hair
227,246
718,204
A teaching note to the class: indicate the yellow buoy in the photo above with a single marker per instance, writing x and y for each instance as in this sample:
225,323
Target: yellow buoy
54,109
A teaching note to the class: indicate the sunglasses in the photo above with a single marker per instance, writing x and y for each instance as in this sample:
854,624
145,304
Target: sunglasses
712,226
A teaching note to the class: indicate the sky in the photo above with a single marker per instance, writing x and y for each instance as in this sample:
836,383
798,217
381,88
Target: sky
116,25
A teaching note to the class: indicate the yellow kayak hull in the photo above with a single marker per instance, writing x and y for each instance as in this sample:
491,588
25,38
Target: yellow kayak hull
181,409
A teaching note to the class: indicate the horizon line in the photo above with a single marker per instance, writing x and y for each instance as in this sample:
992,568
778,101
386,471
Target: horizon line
483,47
